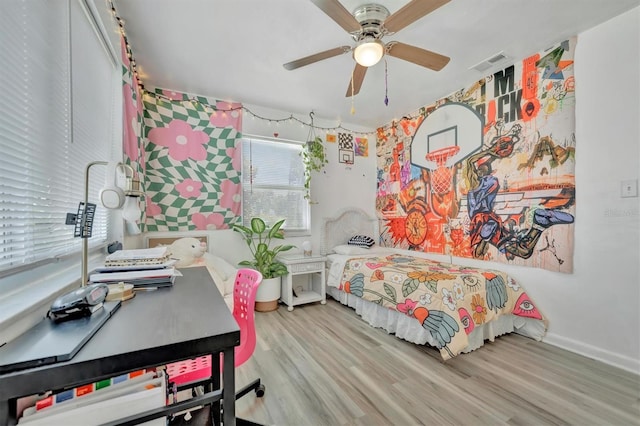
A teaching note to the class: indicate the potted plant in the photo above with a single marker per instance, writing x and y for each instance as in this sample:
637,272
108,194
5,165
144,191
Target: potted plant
314,158
258,238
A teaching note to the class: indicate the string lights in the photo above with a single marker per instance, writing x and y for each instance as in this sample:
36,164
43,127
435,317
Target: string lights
215,109
129,50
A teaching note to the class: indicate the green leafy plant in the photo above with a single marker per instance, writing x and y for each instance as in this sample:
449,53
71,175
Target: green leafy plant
259,238
314,159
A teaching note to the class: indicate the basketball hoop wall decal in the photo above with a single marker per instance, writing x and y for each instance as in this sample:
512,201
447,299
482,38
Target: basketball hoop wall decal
452,124
442,174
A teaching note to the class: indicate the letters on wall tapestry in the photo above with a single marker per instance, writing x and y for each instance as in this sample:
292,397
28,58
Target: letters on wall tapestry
193,162
488,172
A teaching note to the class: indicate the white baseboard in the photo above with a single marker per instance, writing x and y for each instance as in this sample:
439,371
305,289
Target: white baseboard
621,361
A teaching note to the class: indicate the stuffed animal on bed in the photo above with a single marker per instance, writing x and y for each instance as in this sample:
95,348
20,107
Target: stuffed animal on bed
187,251
190,252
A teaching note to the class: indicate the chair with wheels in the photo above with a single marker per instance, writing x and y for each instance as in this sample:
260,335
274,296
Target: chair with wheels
193,373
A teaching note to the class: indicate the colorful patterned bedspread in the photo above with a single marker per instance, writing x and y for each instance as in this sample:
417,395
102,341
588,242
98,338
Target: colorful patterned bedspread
448,300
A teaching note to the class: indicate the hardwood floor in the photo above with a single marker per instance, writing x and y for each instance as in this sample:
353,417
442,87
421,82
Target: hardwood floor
323,365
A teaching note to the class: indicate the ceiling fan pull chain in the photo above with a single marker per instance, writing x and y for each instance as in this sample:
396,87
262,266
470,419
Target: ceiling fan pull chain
353,107
386,84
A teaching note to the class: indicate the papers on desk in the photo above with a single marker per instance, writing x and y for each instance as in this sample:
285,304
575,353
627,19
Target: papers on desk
139,278
104,404
144,268
125,268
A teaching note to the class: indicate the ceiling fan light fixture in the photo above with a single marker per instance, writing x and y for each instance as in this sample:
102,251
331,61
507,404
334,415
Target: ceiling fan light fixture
368,52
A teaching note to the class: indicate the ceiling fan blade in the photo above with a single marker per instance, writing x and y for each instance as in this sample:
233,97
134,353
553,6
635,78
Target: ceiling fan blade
336,11
410,13
358,77
316,57
417,55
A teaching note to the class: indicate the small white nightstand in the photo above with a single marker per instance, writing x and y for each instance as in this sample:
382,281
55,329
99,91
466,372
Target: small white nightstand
298,264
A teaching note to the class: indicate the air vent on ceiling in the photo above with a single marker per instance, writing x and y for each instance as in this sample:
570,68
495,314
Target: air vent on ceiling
489,62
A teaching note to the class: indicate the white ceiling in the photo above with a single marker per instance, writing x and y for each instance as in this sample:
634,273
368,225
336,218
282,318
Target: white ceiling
234,50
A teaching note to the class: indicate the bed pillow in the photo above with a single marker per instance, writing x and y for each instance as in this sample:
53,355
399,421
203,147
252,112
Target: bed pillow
353,250
361,241
224,268
348,250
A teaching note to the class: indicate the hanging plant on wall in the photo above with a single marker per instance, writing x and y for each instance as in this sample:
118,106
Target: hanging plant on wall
314,157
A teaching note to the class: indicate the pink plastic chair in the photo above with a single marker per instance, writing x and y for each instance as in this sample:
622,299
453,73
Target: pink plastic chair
244,301
193,372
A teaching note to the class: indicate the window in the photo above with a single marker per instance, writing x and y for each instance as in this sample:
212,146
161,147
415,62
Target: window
61,109
273,183
58,112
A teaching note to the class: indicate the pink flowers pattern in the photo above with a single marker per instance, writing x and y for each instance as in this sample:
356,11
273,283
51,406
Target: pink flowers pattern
212,221
231,196
185,195
236,157
123,52
189,188
183,142
174,96
130,123
152,208
407,307
227,115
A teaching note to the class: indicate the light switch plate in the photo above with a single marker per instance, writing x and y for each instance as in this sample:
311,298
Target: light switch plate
629,188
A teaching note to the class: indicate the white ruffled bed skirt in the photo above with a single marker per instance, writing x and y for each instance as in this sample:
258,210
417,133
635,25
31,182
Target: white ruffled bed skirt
410,329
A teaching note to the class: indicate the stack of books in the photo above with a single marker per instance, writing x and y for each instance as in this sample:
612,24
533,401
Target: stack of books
143,268
156,256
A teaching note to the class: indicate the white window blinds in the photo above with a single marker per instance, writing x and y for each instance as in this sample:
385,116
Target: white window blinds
58,113
273,183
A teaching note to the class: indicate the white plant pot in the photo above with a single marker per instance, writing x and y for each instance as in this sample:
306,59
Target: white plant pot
268,294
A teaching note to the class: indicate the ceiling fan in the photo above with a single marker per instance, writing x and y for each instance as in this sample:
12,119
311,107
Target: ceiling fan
367,25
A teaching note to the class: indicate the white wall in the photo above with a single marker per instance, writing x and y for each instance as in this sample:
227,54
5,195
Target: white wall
595,310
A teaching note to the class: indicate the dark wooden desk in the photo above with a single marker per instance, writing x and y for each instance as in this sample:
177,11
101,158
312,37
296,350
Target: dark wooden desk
154,328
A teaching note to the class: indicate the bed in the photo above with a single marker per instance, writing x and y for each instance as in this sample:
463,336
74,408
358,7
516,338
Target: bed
420,297
222,272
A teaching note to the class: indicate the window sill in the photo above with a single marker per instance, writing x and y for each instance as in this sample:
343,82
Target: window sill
29,303
295,234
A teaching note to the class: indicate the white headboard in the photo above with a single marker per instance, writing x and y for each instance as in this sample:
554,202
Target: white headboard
338,229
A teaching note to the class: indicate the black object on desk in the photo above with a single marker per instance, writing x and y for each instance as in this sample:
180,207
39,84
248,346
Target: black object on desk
187,320
81,302
50,342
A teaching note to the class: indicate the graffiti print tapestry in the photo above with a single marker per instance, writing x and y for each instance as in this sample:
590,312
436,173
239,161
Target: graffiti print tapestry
488,172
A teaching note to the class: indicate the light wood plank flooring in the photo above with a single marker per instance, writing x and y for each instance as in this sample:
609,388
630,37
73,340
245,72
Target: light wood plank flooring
323,365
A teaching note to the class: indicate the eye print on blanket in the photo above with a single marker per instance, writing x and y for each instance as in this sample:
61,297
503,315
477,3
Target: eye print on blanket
466,320
525,308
